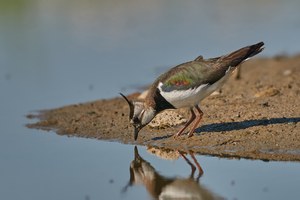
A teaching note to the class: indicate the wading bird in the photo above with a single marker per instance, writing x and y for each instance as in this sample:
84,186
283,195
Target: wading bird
185,86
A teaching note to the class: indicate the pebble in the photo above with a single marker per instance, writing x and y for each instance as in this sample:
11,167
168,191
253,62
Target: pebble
265,104
168,118
287,72
269,92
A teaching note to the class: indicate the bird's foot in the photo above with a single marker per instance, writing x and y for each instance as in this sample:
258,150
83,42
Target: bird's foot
176,135
190,134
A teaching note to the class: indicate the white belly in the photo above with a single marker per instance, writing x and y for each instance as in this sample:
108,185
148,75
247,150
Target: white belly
191,97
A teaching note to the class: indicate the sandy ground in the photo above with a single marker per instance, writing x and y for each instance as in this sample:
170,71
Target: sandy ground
255,117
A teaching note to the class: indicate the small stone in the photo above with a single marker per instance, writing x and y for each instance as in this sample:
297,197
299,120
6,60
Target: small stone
167,119
265,104
269,92
287,72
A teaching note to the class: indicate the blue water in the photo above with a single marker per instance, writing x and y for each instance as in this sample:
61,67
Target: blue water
59,52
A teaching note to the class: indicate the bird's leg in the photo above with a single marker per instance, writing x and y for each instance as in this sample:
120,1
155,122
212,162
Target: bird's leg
238,73
193,116
198,119
193,168
200,170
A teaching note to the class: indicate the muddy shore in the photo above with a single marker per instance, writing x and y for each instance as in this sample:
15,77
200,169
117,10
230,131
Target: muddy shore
255,117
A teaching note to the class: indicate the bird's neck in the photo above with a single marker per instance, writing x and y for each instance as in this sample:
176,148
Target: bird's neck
155,100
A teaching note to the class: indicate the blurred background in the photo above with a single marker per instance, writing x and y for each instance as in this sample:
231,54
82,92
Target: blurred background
59,52
87,45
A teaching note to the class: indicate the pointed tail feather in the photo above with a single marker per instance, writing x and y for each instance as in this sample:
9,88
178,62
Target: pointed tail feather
235,58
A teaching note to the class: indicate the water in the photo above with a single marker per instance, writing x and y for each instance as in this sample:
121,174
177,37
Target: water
54,53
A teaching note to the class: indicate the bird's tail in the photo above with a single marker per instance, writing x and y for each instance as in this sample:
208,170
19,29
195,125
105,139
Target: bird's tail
235,58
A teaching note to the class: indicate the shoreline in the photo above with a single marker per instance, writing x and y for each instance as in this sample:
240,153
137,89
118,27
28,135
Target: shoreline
255,117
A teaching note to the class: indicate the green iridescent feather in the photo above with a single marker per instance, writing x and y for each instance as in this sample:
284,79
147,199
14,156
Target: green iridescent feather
189,75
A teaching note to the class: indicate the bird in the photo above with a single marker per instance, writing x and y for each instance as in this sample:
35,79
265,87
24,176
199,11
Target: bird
160,186
185,86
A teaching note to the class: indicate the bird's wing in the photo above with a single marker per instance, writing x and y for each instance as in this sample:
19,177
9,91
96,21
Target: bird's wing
209,60
204,71
189,75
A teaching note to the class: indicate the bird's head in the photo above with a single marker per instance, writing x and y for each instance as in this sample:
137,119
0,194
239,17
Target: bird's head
139,115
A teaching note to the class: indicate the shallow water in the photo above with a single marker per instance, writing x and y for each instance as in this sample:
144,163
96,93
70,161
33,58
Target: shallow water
54,53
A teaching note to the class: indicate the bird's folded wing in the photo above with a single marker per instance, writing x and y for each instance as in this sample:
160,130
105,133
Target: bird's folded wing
189,75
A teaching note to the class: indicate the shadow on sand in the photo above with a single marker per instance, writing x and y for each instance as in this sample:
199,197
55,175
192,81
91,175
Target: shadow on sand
230,126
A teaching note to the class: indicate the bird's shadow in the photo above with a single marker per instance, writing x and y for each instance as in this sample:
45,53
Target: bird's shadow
162,137
230,126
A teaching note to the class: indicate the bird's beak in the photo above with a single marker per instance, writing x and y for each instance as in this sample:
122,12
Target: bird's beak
136,132
136,153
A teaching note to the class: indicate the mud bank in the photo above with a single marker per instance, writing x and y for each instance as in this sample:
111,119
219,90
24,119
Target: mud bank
255,117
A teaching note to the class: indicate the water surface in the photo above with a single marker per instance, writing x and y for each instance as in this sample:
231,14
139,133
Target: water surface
54,53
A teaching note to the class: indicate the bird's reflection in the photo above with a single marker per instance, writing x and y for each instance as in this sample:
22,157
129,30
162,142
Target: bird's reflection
161,187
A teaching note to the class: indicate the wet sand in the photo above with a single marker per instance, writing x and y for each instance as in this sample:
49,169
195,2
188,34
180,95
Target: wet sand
255,117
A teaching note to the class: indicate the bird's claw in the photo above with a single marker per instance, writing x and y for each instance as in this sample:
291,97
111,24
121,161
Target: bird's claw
190,134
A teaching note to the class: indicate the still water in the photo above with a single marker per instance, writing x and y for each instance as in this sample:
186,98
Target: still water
59,52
